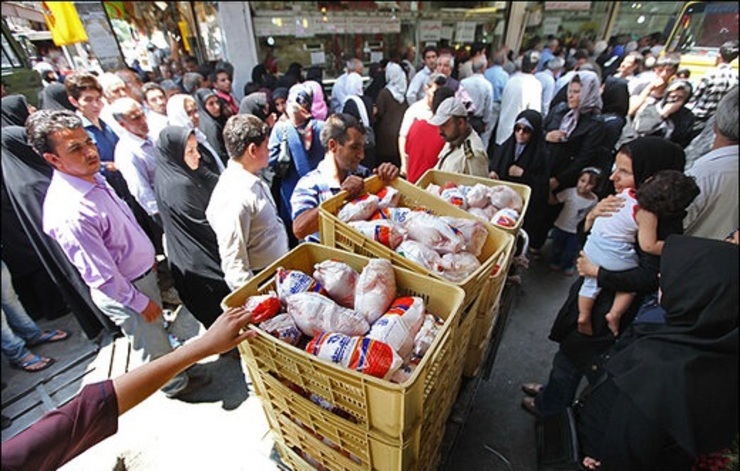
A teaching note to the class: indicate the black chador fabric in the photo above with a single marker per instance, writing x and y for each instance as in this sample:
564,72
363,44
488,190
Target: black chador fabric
54,97
14,110
212,127
533,159
26,176
182,199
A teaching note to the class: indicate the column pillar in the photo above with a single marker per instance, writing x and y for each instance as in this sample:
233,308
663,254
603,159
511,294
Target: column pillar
240,47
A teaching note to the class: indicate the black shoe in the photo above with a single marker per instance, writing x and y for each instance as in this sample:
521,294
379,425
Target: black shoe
195,382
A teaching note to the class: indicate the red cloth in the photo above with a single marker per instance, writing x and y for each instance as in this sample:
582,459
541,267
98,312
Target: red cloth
64,433
423,145
228,100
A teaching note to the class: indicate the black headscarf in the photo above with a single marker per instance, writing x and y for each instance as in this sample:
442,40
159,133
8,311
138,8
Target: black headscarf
27,176
616,97
683,375
182,198
532,158
54,97
254,103
211,126
650,154
14,110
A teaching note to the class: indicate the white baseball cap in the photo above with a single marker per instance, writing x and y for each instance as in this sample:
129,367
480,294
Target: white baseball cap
447,109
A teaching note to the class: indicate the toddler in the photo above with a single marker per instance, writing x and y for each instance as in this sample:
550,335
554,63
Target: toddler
577,202
611,242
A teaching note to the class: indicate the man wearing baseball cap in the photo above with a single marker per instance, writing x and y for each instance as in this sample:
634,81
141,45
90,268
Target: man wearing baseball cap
464,151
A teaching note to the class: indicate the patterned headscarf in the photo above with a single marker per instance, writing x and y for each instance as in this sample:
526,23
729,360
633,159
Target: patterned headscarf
590,102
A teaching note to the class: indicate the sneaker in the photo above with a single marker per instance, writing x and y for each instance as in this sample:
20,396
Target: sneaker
196,381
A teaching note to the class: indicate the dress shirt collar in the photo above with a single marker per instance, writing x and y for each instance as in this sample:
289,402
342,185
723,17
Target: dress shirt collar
78,184
236,167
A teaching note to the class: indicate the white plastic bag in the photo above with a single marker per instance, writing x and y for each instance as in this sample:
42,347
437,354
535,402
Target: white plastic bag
458,266
503,196
478,196
427,333
283,327
400,324
359,209
339,280
380,230
434,232
388,196
474,233
361,354
420,254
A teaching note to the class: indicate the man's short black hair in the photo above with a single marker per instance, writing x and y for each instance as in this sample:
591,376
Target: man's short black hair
728,50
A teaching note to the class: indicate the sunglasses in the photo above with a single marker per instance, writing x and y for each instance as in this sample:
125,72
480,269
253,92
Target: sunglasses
523,129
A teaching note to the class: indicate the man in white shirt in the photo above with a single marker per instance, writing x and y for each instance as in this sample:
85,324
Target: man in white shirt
547,80
481,92
242,212
155,101
136,155
714,213
522,92
344,86
416,91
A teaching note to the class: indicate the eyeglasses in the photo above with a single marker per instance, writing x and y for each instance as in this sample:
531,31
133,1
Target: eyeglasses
523,129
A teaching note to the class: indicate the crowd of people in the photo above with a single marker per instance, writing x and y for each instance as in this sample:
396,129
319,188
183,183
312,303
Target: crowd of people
112,171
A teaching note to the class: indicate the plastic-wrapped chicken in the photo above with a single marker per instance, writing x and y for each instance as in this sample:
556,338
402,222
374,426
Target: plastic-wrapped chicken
400,324
388,196
397,215
339,280
427,333
375,290
314,313
380,230
404,373
503,196
434,189
359,209
283,327
434,232
485,213
263,307
455,197
458,266
361,354
474,233
478,196
420,254
506,217
290,282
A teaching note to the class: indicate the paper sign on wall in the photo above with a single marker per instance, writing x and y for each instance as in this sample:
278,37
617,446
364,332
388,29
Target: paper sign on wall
465,32
430,30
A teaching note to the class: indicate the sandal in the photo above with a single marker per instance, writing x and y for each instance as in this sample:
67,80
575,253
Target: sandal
50,336
28,365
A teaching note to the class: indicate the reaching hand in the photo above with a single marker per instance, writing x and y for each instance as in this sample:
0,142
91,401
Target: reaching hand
353,185
151,312
586,267
228,331
387,172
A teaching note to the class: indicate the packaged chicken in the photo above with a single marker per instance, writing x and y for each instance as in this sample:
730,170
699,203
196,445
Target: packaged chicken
376,289
291,282
339,280
434,189
503,196
283,327
428,331
506,217
314,313
474,233
458,266
263,307
420,254
478,196
455,197
396,215
361,354
404,373
434,232
388,196
400,324
485,213
359,209
380,230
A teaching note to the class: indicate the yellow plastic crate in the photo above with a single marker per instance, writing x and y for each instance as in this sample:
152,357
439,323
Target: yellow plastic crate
375,406
298,423
335,233
439,177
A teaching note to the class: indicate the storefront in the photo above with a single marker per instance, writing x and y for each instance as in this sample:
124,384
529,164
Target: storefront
326,34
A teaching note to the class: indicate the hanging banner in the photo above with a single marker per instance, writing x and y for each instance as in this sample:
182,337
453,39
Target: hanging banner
465,32
430,30
63,23
115,10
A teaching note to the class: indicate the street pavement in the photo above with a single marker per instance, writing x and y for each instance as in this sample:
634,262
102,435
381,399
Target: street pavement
223,427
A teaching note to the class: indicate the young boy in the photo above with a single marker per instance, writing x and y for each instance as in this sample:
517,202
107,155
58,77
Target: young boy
577,202
611,244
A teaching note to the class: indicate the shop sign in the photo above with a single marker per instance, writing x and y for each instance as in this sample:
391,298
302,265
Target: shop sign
447,32
465,32
430,30
571,6
550,25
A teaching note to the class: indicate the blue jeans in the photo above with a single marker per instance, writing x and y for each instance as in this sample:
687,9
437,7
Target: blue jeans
17,327
564,248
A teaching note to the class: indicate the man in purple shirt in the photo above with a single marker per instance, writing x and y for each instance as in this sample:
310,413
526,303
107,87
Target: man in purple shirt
100,236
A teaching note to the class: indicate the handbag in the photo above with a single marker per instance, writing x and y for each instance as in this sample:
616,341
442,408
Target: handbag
284,160
557,442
